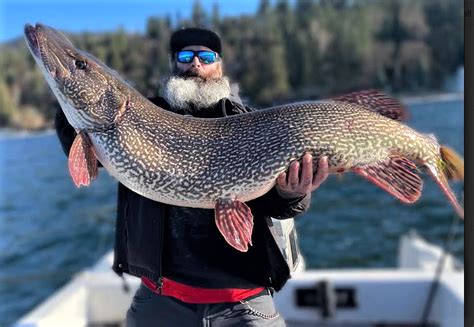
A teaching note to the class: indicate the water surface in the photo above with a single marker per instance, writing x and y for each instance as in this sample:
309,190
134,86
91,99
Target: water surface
50,230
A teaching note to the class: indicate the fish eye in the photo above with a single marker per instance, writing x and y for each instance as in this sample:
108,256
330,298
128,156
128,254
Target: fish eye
80,64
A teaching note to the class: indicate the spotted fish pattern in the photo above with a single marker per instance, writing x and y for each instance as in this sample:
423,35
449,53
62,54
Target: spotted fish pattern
190,161
196,162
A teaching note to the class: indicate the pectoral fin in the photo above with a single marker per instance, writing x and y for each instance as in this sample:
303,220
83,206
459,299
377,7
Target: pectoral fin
235,222
397,175
82,161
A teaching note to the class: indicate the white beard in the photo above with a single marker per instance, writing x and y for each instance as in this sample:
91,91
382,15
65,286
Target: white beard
184,93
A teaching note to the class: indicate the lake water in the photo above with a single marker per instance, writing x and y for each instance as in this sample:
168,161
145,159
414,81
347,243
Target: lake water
50,230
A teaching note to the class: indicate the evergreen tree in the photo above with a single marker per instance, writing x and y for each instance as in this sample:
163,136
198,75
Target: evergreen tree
271,83
117,49
7,105
215,16
198,16
445,38
288,50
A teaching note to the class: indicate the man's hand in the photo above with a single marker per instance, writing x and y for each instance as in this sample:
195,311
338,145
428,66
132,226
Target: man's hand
294,186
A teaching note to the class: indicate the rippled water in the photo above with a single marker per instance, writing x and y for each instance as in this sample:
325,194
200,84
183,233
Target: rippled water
50,230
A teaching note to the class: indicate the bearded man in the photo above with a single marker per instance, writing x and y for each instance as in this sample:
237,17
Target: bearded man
190,275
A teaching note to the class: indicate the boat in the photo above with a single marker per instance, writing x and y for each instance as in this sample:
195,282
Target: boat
425,289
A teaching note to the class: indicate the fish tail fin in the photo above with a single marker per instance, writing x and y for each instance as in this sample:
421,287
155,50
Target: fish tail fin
453,164
449,167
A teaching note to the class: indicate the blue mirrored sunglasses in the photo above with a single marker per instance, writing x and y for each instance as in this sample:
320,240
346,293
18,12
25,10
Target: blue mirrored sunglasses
204,56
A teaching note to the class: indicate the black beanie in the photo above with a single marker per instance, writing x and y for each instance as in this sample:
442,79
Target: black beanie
194,36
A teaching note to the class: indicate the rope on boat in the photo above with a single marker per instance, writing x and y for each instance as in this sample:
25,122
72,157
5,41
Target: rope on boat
446,249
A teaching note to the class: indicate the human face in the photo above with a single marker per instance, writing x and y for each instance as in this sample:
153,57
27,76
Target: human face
205,71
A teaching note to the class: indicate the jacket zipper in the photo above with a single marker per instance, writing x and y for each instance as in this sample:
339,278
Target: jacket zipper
159,285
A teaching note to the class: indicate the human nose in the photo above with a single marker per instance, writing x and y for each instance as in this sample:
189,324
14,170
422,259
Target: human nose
196,62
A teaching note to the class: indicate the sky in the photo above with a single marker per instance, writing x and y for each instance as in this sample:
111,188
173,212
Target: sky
103,15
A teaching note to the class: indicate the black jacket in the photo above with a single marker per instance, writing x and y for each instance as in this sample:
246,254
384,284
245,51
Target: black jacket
142,227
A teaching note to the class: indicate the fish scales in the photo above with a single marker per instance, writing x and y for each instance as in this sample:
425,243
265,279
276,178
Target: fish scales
194,161
223,162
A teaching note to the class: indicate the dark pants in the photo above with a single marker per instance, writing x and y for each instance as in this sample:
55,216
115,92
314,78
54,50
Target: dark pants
150,309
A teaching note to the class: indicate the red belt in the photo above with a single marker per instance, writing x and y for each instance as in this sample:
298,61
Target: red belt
191,294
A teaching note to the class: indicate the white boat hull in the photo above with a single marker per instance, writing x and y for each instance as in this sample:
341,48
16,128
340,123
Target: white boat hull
363,297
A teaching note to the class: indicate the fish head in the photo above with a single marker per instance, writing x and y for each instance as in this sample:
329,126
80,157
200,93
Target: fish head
90,93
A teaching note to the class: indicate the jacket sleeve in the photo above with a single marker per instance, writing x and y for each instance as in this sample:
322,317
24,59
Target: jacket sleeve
64,131
230,108
273,205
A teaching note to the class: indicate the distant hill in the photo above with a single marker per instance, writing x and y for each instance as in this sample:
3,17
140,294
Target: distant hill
282,53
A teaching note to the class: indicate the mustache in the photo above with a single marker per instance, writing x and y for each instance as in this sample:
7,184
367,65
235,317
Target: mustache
190,73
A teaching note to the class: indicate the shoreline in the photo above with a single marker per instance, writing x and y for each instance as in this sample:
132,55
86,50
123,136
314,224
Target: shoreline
441,97
8,132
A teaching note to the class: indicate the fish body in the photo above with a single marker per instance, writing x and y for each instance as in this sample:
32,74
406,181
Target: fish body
192,162
221,163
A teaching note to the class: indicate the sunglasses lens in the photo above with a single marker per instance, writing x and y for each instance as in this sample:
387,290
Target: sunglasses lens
185,56
207,57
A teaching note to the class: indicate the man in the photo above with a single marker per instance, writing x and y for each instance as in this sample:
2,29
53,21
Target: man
190,275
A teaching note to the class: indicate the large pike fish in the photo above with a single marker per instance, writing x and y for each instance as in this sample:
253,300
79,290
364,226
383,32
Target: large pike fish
222,163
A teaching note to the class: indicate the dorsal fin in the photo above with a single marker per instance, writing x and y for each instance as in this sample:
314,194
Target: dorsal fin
376,101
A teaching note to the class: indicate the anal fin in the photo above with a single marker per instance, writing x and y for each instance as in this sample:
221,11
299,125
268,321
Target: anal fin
442,181
234,220
397,175
82,161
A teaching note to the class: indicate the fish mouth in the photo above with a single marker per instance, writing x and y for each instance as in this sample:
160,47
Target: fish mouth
48,48
31,35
